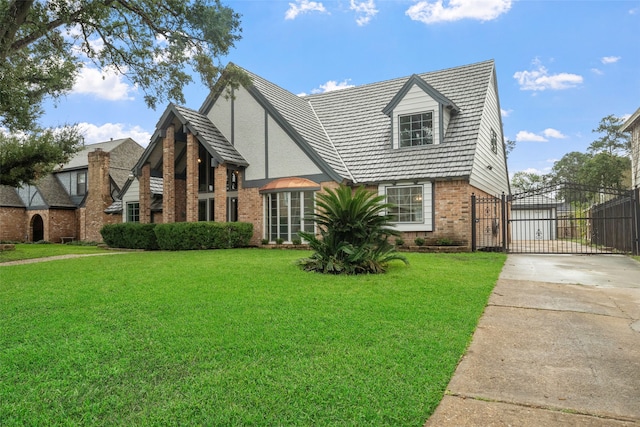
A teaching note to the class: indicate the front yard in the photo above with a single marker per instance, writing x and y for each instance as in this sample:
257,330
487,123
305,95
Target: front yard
233,337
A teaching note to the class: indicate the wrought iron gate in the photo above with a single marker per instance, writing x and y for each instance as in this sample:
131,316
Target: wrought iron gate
562,218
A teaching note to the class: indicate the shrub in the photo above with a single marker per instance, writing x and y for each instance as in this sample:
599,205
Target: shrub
264,241
354,233
279,241
130,235
444,241
296,241
180,236
399,242
419,241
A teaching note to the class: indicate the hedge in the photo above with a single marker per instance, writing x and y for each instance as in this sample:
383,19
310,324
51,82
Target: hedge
180,236
130,235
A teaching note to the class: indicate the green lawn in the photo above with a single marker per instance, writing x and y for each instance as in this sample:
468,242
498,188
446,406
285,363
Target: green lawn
33,250
233,337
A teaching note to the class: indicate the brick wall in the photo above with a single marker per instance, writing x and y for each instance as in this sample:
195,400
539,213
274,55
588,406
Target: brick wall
220,190
62,223
250,209
191,205
180,210
144,194
13,224
98,197
168,175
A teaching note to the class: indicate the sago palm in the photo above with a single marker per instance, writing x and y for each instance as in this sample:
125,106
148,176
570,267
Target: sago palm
353,233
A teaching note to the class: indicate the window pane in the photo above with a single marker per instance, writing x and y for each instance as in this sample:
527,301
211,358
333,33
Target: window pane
133,212
212,210
416,129
202,210
408,203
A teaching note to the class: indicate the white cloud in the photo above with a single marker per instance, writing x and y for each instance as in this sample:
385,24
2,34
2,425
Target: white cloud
597,71
610,59
505,113
303,6
366,10
332,85
540,79
94,133
430,12
526,136
553,133
106,84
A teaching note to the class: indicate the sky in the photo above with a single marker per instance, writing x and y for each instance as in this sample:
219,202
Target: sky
562,65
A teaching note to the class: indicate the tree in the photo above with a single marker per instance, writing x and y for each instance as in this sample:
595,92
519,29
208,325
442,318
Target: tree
613,141
570,168
524,181
154,43
25,159
509,145
354,231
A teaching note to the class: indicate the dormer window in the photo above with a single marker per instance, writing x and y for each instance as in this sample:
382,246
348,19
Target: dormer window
416,129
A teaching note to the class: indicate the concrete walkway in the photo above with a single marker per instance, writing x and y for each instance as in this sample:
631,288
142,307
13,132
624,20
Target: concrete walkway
558,345
56,257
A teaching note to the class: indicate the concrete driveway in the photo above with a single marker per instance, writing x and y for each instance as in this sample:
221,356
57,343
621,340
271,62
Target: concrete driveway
558,345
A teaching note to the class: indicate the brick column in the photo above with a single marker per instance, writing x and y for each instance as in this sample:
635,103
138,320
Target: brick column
98,193
192,178
168,175
145,194
220,193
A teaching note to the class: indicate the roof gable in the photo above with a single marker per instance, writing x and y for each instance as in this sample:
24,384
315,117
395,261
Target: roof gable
425,87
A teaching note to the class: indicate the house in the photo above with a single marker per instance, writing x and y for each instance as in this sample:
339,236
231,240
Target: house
69,203
632,125
426,142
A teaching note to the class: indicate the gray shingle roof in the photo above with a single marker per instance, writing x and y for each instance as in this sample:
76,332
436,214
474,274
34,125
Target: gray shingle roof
209,135
304,123
9,197
354,120
81,158
54,193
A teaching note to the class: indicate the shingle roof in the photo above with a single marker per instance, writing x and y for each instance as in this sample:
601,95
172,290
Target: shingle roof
305,127
9,197
354,121
54,193
209,135
81,158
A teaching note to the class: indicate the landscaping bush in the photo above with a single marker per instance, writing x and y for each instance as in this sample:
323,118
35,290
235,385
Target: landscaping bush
130,235
419,241
181,236
354,233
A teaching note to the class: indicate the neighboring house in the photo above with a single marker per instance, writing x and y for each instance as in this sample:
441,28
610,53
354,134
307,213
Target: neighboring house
70,202
632,125
426,142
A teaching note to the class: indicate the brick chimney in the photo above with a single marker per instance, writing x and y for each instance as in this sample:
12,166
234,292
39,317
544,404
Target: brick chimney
98,194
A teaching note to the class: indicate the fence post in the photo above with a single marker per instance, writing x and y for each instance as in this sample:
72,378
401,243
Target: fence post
635,209
505,223
473,222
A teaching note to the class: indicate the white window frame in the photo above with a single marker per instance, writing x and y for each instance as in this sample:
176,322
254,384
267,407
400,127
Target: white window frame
131,204
432,130
267,213
427,205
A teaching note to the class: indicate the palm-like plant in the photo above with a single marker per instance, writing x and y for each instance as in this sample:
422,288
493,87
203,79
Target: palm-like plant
354,230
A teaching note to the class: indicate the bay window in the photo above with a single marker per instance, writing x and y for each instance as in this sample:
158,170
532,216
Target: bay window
287,213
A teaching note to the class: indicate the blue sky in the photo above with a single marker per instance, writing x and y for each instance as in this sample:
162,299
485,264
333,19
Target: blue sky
562,65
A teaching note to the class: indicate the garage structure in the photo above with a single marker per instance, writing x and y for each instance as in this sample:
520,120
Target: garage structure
564,218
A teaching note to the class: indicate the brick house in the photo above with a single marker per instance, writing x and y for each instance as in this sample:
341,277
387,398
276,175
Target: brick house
632,125
426,142
70,203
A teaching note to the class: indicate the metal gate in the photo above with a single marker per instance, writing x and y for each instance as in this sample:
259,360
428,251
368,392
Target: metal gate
562,218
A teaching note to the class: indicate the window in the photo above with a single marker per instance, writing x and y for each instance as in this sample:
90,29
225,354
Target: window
233,176
416,129
286,213
133,212
81,183
206,210
494,141
206,171
408,204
